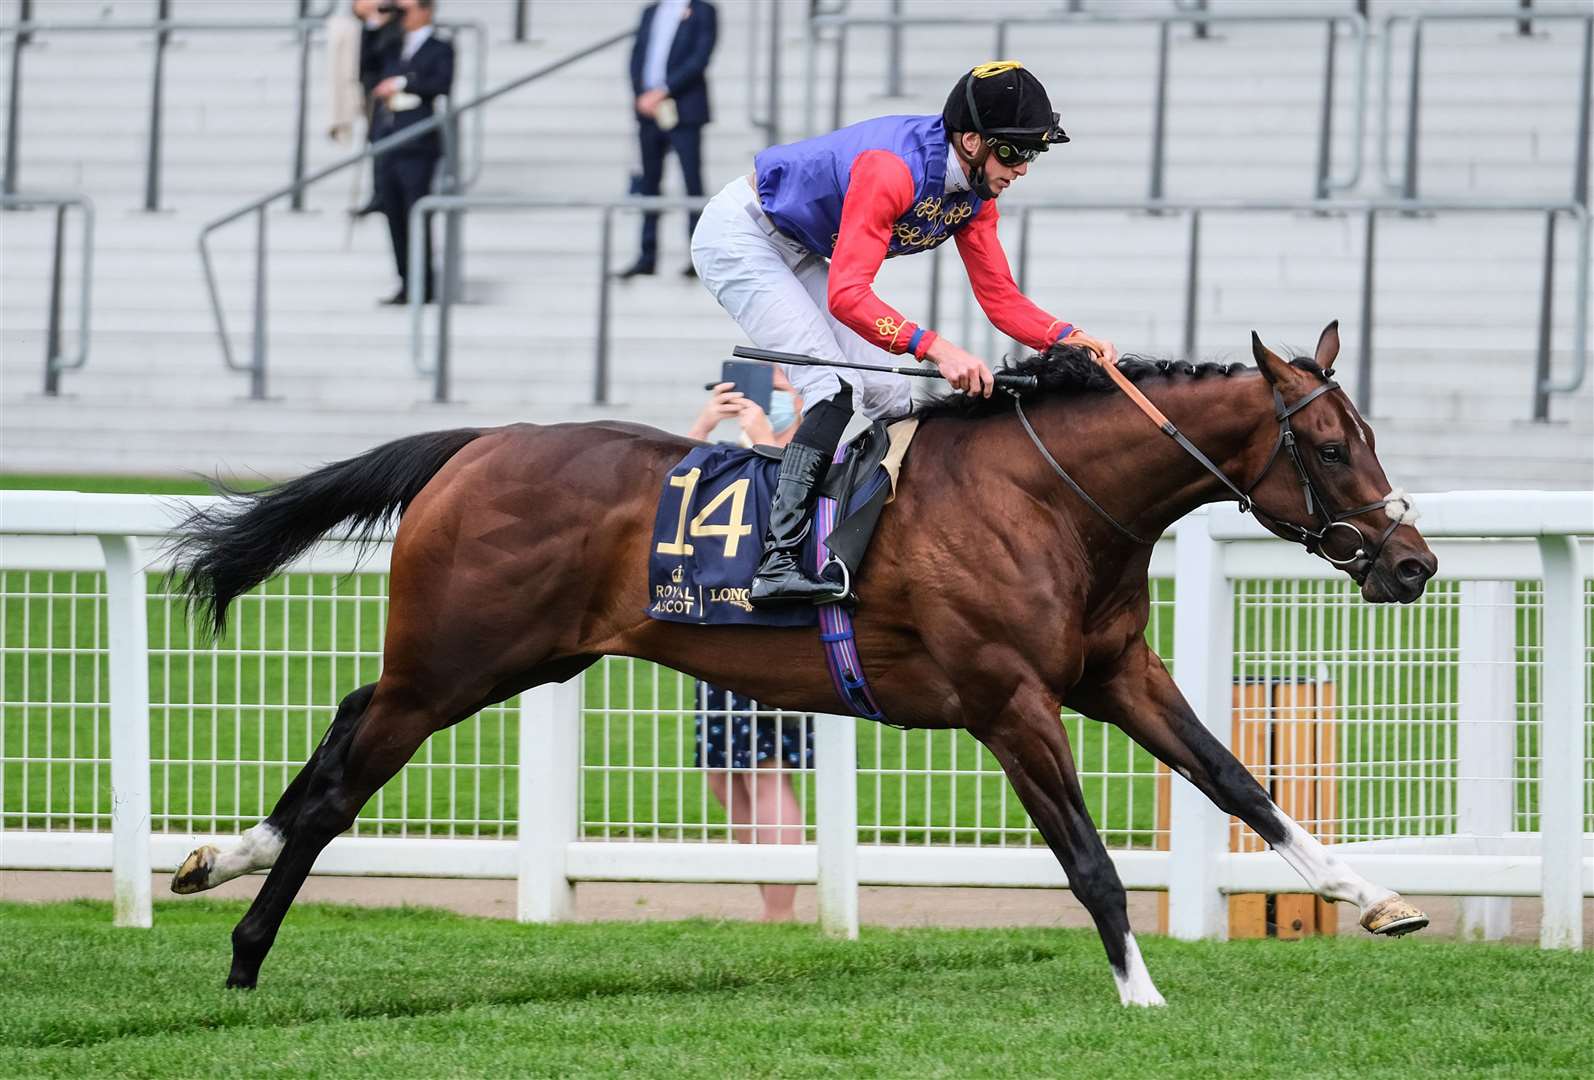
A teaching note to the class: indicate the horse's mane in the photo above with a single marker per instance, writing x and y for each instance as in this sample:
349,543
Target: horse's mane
1070,371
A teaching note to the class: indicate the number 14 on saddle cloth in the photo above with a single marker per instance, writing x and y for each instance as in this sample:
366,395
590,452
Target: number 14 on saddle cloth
709,529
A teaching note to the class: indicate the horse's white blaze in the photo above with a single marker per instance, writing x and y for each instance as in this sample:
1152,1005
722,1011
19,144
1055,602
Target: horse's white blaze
256,849
1134,983
1327,874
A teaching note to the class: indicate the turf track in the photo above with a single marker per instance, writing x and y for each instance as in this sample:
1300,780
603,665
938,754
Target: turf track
355,992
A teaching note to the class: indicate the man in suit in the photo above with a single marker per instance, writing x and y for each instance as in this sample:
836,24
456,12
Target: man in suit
668,59
413,76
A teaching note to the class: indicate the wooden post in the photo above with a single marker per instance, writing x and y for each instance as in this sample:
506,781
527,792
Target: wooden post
1248,912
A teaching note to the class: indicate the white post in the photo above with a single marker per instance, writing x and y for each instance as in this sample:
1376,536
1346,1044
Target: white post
550,783
1561,747
1203,657
836,808
128,632
1486,736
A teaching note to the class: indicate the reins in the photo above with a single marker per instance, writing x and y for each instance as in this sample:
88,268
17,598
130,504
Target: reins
1311,539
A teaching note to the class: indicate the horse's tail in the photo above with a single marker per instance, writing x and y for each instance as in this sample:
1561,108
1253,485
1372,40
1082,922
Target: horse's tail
224,551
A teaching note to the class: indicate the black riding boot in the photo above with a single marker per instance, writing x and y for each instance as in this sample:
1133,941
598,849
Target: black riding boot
781,579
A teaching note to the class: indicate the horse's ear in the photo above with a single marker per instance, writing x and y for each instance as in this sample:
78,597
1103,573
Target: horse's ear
1327,346
1273,369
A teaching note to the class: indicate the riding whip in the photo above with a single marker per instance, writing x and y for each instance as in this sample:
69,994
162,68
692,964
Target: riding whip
1004,380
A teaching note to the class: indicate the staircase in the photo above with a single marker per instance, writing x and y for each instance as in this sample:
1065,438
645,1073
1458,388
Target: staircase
1456,301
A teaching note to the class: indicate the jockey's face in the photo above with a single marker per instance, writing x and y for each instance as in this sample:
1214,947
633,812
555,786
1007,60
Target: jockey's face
1000,177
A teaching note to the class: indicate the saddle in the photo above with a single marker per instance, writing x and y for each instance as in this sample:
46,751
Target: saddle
712,516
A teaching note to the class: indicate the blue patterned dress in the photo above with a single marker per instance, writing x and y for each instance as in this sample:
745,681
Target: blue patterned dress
728,726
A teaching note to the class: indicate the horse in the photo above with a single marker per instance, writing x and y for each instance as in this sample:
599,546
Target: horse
996,594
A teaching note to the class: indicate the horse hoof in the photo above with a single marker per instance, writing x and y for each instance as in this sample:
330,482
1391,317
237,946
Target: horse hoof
194,875
1392,918
239,981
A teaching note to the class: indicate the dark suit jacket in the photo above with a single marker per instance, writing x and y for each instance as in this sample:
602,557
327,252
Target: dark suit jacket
688,59
375,45
429,74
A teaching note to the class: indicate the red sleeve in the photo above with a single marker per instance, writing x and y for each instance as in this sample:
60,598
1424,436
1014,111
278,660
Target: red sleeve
879,192
1013,313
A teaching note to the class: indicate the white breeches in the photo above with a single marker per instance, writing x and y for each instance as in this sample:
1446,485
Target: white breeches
775,290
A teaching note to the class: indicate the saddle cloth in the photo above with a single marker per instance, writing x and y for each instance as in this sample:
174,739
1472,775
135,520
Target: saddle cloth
713,514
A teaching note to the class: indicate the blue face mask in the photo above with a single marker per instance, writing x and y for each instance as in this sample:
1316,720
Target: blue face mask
782,410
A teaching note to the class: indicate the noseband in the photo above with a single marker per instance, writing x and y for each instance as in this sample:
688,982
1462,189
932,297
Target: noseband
1396,504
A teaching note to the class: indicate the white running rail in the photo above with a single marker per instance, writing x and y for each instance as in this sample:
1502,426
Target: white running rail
1459,759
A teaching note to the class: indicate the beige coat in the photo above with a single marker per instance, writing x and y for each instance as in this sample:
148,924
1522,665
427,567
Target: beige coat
343,69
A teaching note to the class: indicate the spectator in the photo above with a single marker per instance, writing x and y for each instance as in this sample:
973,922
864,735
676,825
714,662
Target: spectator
357,41
668,59
738,744
413,76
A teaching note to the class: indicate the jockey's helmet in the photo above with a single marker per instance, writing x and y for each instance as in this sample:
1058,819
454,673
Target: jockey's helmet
1007,106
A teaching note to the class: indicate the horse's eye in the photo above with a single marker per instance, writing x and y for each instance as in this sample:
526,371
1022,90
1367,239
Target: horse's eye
1332,454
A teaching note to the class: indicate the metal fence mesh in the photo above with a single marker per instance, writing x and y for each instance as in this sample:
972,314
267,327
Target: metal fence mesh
1350,713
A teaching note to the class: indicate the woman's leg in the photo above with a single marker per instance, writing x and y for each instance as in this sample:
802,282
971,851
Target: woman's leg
778,817
729,789
762,809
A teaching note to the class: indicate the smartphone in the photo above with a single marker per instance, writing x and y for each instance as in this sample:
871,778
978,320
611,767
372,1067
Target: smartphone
755,381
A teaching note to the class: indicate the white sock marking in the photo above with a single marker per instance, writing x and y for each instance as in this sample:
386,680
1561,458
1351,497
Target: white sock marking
257,849
1327,874
1134,985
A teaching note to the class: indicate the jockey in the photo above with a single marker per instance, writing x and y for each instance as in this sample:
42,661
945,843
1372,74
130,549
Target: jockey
891,186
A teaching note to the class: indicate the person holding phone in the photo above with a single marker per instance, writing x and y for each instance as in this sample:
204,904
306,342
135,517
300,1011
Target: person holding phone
773,425
750,753
792,249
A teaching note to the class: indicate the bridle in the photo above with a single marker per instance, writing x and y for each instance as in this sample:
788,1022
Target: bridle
1313,540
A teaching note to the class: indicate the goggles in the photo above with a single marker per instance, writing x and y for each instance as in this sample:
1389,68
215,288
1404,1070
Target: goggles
1011,154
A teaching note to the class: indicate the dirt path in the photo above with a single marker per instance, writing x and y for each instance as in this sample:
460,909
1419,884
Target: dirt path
606,902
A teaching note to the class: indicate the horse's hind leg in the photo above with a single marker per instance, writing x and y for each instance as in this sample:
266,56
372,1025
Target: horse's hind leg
258,847
1141,698
385,729
1033,751
346,773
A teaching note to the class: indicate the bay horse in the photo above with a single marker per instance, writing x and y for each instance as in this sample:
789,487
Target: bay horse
995,595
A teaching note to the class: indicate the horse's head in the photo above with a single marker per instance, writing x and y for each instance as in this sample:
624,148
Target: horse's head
1319,483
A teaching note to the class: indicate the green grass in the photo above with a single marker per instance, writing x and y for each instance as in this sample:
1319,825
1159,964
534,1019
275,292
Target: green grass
413,993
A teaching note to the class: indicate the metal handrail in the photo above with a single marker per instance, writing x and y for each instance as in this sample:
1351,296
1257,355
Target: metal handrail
1406,183
1543,384
54,363
448,289
454,205
25,28
1324,181
303,26
770,122
447,122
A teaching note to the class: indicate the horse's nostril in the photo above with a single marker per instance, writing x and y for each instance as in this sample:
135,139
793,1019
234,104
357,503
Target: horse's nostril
1413,570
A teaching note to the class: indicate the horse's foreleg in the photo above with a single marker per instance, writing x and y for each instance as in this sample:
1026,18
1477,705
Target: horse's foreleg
258,847
1140,698
345,774
1031,746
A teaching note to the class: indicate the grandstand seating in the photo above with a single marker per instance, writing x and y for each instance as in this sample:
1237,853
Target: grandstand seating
1457,297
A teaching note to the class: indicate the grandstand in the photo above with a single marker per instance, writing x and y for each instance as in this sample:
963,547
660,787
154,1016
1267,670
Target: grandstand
1457,295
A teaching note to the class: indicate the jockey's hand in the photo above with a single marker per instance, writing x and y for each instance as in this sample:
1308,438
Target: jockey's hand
1105,351
723,404
964,370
